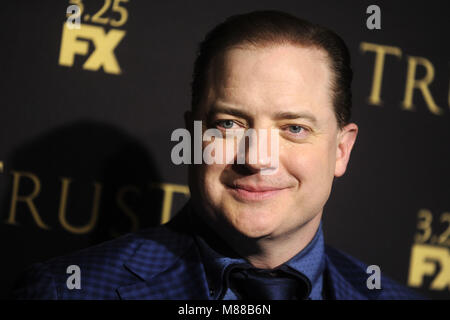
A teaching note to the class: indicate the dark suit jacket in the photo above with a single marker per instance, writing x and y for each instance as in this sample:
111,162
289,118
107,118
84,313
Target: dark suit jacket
164,263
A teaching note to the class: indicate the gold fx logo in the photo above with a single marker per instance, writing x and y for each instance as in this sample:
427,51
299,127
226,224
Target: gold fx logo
76,41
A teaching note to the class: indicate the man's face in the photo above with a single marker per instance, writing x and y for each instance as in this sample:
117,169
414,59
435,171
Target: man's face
280,87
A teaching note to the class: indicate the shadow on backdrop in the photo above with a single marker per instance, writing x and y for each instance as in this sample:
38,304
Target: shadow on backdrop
71,188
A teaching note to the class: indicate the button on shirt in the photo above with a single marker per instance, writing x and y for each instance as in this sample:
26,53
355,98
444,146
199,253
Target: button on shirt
310,262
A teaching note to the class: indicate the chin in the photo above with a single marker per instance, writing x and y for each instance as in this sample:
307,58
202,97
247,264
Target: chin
254,223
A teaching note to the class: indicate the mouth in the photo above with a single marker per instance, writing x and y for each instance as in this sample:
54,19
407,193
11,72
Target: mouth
254,193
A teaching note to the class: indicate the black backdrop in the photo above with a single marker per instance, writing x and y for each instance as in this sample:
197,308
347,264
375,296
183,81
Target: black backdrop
85,144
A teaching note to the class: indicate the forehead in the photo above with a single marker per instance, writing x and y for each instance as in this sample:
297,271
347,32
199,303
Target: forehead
279,76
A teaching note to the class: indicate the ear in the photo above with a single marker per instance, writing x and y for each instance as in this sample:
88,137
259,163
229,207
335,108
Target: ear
346,140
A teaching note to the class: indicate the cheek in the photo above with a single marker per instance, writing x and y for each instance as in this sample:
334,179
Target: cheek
210,179
312,164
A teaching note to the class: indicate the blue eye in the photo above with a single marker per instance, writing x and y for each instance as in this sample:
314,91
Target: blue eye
295,129
226,124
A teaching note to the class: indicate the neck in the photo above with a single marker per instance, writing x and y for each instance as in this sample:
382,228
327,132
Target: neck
271,252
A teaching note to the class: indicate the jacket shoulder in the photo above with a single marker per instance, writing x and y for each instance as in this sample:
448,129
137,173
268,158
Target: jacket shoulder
102,267
348,277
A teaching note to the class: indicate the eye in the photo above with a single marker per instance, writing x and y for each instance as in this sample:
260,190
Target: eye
295,129
226,124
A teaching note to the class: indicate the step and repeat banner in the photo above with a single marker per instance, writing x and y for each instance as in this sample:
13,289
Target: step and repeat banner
91,90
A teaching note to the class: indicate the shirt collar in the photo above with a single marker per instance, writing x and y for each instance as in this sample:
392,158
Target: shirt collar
310,261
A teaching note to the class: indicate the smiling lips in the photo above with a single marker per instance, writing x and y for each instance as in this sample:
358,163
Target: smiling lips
254,193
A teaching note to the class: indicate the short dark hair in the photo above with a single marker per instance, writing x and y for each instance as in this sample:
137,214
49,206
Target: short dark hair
274,27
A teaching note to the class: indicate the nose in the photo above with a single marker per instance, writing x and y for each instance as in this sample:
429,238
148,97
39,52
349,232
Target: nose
260,148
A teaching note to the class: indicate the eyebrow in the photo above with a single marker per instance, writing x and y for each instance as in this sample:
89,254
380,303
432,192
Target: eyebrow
215,109
281,115
295,115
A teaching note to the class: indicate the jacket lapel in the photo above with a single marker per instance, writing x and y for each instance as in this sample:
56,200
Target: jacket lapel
348,277
166,265
341,288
